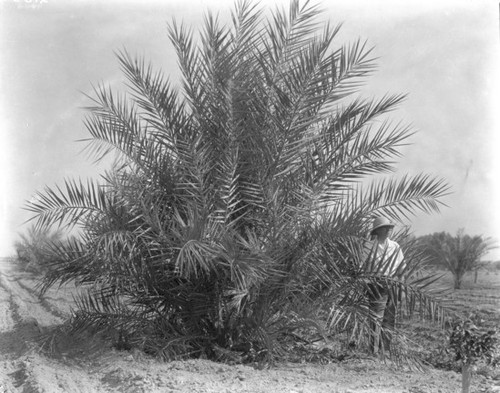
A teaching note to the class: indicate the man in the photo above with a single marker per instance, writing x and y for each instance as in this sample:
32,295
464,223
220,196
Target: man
383,257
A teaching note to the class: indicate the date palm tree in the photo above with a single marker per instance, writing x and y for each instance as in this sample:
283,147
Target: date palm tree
234,214
459,254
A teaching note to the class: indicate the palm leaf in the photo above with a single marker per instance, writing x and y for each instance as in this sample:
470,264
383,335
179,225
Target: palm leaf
68,206
401,197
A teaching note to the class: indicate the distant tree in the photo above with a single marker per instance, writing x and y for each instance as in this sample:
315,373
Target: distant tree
459,254
236,215
32,248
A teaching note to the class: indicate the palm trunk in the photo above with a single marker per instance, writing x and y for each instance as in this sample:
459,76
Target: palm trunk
458,281
466,377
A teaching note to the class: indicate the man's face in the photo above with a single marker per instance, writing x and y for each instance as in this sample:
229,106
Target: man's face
384,231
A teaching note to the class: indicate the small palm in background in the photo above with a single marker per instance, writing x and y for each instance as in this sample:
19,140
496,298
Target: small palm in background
459,254
32,248
233,218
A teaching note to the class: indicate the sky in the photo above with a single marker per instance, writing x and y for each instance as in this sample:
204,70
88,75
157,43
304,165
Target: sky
444,54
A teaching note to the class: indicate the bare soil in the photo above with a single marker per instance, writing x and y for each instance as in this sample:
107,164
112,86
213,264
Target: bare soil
29,363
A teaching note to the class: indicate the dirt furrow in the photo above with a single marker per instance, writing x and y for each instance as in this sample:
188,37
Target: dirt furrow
6,321
28,306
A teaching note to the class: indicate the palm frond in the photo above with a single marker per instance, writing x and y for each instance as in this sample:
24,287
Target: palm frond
402,197
160,103
70,205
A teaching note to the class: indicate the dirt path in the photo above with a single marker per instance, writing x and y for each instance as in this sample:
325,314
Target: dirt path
83,367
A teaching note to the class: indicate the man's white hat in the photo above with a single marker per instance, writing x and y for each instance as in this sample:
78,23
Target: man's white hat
380,222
